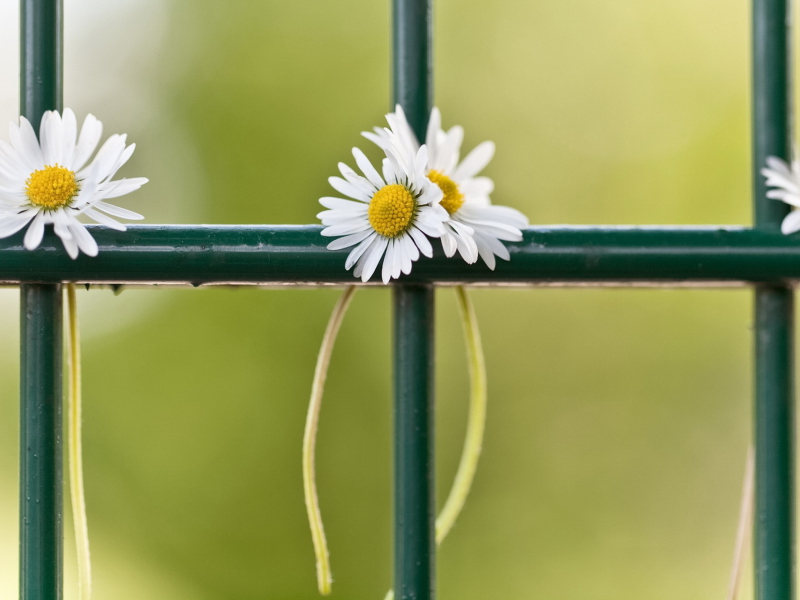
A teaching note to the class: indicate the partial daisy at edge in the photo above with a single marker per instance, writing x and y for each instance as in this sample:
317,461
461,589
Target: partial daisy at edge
50,180
475,226
785,178
390,214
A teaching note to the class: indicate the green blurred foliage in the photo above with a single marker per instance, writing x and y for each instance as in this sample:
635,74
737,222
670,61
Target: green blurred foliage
619,419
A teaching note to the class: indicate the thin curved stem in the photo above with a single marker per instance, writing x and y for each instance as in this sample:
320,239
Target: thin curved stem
324,579
745,525
75,460
476,423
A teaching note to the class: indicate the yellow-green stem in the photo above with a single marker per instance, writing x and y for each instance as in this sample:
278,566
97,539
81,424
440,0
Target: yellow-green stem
745,525
324,579
74,457
476,423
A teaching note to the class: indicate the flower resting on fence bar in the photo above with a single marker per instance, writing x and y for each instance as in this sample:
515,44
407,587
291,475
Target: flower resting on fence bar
475,225
785,178
390,215
48,181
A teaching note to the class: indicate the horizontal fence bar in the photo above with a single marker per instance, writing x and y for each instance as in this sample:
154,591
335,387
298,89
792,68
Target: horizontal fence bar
252,255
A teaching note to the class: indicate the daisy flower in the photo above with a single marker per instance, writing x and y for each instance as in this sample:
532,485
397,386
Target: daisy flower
476,227
785,178
48,181
390,213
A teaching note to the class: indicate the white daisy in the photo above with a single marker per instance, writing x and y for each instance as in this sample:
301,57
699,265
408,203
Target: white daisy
390,214
48,181
786,178
475,226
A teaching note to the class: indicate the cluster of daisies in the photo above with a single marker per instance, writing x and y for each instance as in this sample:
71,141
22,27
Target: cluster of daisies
421,192
50,180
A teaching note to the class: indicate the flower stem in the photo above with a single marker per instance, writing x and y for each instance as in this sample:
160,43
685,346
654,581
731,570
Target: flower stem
324,578
745,524
78,498
476,424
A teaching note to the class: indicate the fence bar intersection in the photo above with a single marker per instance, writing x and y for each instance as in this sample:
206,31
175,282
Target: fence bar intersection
414,506
774,318
41,35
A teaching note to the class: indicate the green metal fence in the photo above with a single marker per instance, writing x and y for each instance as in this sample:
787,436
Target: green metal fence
758,256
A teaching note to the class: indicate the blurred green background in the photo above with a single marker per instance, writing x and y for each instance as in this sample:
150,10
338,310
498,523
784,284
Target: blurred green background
619,419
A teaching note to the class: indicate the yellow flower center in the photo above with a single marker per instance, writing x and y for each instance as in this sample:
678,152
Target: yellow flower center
51,188
453,198
391,210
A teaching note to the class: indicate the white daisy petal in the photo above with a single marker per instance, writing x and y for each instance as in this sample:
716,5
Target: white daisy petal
397,263
122,187
61,221
69,134
123,158
11,223
369,171
495,244
357,180
780,165
90,135
104,219
50,138
106,157
341,217
346,229
410,248
434,125
24,141
70,245
421,241
475,161
359,250
35,233
372,258
449,243
340,204
388,171
449,150
477,186
349,240
83,238
348,189
116,211
465,242
485,251
388,262
13,165
791,223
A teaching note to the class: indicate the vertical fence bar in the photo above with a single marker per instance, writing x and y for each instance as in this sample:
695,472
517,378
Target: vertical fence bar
774,308
414,559
40,564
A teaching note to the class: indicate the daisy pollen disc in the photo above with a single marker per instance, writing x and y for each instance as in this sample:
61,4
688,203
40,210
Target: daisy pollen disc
51,187
391,210
453,198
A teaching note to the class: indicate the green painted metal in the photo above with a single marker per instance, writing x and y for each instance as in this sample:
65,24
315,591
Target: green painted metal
774,435
41,57
414,504
774,314
41,27
40,443
414,509
294,254
412,61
